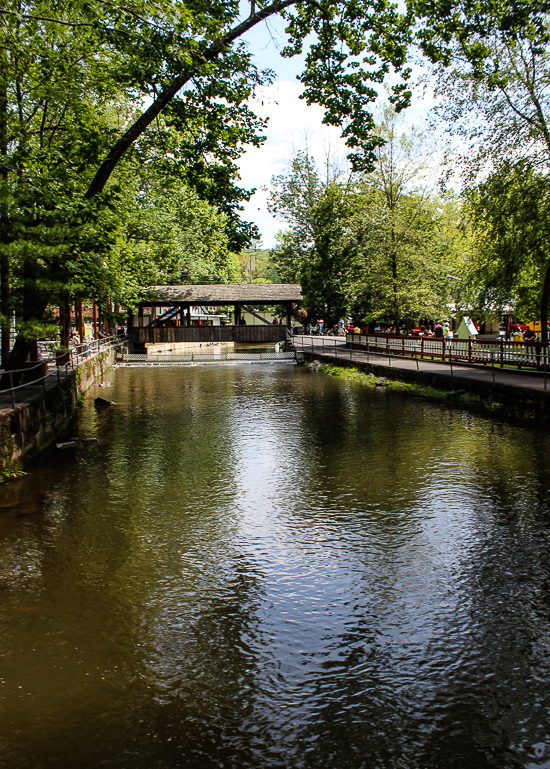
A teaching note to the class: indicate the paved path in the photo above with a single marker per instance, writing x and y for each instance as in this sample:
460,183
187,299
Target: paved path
29,392
336,348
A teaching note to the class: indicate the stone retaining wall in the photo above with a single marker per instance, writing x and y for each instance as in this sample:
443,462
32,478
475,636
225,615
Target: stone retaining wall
500,400
30,427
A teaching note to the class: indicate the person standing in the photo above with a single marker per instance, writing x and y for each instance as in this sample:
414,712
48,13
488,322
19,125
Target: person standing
528,335
529,338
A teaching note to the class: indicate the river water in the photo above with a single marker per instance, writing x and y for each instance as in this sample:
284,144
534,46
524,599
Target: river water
261,566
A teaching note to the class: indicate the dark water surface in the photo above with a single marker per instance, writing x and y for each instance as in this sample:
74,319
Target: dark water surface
258,566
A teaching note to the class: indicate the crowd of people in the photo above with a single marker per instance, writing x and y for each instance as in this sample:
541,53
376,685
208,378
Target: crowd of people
515,332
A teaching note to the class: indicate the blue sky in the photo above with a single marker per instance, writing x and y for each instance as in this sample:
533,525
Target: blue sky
291,124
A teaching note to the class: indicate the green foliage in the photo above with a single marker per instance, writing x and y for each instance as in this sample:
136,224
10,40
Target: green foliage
255,266
171,212
497,104
294,195
400,258
157,233
510,217
401,242
152,96
310,252
380,246
498,109
322,271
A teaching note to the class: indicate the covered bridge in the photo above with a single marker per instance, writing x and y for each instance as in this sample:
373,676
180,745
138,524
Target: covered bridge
168,315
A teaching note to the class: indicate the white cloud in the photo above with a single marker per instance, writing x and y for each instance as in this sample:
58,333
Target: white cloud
293,125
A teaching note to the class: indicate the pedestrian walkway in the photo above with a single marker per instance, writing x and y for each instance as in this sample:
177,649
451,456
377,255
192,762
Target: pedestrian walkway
27,393
56,373
336,348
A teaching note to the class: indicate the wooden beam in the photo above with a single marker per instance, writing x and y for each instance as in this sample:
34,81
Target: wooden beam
64,321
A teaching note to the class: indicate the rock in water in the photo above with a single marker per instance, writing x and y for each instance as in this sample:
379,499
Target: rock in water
102,403
314,365
67,445
382,382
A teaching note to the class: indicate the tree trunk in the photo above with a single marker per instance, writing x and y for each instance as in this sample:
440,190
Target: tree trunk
35,302
544,299
5,304
395,278
16,360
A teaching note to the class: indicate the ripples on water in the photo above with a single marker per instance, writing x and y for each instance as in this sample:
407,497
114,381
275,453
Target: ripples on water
257,566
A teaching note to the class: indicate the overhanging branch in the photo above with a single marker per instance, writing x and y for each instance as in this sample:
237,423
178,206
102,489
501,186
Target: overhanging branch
144,121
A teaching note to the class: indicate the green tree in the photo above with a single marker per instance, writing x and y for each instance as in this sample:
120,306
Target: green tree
294,195
307,251
187,62
399,257
381,245
510,215
63,102
497,106
401,243
322,271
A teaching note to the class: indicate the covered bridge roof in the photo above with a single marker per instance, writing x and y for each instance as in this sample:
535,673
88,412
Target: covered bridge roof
227,293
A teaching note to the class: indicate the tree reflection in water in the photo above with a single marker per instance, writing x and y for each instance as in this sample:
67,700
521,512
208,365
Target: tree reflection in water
258,566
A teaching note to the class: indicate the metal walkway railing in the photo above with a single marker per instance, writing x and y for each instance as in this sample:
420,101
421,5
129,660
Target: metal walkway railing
58,365
473,352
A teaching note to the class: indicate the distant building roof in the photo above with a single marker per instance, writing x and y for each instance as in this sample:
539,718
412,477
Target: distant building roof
228,293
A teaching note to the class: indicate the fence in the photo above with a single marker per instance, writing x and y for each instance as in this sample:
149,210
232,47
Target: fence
55,365
213,357
498,352
266,334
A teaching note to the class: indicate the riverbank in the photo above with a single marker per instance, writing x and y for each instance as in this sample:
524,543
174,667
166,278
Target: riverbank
31,426
501,399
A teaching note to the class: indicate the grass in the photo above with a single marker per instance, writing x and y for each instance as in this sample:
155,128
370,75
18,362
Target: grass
423,391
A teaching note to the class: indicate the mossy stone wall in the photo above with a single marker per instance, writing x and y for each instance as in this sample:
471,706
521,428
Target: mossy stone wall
30,427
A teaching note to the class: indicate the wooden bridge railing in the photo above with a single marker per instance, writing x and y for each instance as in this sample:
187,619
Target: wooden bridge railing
206,334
